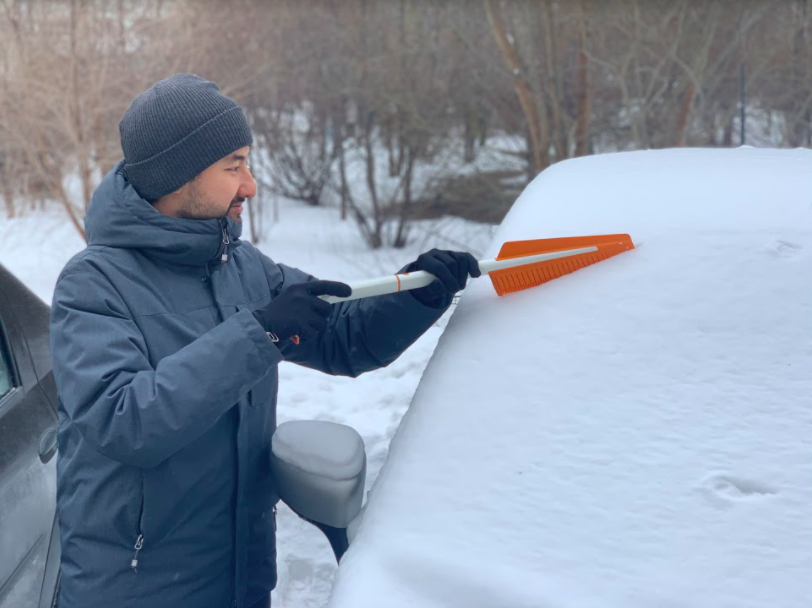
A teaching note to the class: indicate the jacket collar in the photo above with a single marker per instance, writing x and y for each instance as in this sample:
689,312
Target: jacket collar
119,217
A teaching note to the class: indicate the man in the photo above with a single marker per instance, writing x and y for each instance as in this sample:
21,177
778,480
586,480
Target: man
166,334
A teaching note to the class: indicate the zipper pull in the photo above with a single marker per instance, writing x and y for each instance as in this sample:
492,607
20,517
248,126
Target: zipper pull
139,543
224,256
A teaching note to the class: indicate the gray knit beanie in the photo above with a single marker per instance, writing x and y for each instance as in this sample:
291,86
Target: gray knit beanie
176,129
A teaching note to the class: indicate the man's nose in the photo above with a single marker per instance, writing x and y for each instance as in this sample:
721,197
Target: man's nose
248,188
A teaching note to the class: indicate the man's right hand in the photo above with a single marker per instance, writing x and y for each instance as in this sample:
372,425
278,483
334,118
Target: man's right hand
298,311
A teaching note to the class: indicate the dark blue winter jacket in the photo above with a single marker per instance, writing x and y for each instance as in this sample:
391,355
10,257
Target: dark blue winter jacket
167,403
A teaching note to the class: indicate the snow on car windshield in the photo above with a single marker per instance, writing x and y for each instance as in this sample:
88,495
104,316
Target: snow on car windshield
636,433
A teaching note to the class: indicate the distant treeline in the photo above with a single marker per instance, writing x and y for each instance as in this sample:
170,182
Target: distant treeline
329,84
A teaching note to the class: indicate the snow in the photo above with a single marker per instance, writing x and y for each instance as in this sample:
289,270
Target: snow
36,247
322,448
633,434
319,470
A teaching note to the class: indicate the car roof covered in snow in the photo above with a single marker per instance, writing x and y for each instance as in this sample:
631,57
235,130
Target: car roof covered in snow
635,434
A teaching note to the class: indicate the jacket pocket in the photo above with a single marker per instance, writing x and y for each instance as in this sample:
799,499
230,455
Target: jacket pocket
262,572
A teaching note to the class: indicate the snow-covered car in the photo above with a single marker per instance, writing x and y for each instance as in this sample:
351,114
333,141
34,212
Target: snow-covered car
29,540
637,433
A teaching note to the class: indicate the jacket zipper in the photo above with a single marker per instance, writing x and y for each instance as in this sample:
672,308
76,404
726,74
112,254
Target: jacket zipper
139,544
224,249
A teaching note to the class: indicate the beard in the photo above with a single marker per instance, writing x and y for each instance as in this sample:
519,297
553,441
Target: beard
195,206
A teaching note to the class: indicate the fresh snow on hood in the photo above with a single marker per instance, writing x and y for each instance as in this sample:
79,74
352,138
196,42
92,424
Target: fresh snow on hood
634,434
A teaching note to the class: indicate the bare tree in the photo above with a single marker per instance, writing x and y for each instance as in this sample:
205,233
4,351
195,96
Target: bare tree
376,106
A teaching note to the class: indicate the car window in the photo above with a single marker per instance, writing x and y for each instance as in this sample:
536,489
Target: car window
6,378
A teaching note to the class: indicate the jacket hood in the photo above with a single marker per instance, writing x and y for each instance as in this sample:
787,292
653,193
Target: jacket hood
119,217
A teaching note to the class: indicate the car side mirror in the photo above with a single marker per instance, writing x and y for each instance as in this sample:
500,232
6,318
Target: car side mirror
320,469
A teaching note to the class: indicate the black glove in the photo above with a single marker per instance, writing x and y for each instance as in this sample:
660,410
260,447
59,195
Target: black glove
451,269
297,311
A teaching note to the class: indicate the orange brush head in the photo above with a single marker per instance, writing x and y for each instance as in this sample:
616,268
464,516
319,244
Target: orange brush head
518,278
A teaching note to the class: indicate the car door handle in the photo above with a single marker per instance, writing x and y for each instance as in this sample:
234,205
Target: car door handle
48,445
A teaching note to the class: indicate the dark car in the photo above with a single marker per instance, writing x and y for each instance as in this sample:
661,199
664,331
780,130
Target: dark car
29,541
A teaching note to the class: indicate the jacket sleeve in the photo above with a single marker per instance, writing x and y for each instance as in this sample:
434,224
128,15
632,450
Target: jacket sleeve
362,335
128,410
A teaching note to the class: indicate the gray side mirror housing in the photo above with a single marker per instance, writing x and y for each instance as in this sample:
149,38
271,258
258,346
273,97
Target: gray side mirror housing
320,469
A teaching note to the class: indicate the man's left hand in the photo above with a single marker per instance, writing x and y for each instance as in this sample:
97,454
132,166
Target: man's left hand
451,268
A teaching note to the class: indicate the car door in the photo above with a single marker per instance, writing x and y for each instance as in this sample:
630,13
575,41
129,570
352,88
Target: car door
27,467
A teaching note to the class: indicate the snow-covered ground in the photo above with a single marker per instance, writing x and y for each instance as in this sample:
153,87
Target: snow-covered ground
635,434
37,246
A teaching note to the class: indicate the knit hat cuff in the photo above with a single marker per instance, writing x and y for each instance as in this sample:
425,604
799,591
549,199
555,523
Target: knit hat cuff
168,170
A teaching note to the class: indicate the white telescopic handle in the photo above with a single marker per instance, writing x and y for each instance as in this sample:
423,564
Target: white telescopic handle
420,278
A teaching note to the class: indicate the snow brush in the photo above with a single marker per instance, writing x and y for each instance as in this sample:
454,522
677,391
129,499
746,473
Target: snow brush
520,265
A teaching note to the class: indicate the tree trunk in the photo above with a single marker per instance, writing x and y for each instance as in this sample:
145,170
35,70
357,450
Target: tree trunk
557,130
684,115
402,234
584,89
539,156
375,236
469,136
8,199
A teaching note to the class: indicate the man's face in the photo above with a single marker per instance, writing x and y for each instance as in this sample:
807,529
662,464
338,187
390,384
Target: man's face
219,190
